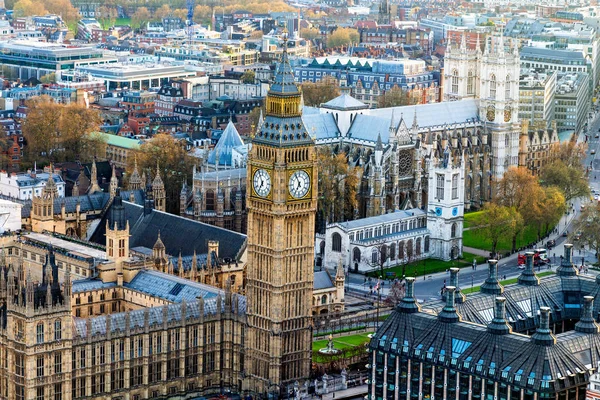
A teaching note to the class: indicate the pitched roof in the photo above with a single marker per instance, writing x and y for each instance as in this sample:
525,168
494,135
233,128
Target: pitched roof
322,280
344,102
230,139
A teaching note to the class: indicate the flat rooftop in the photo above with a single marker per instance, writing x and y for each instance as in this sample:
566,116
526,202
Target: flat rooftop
72,248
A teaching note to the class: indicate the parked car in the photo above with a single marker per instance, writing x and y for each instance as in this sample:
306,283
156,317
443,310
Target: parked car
550,243
593,151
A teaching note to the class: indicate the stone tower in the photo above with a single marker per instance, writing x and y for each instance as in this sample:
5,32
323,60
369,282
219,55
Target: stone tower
282,202
42,207
117,236
158,191
94,179
135,180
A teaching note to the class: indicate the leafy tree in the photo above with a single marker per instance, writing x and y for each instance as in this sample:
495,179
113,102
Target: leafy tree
56,132
162,12
497,221
309,33
570,179
180,13
140,18
343,37
395,97
174,163
108,15
48,78
202,13
254,116
338,187
588,224
258,34
26,8
320,92
248,76
553,206
570,153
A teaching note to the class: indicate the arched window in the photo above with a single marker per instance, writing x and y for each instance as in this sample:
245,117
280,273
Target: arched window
356,255
322,248
507,140
393,251
336,242
470,83
409,249
57,330
453,230
418,247
384,253
454,81
40,333
210,200
507,93
374,256
426,249
493,87
401,250
324,299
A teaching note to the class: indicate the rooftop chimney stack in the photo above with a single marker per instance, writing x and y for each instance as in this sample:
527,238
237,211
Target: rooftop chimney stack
528,276
409,304
448,313
499,325
566,267
491,284
543,336
587,324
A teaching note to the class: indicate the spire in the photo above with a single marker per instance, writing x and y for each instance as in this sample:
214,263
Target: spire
463,42
528,276
94,179
478,48
566,267
543,335
194,271
448,313
260,119
135,181
449,45
491,284
415,124
499,325
180,264
379,145
114,182
50,190
158,182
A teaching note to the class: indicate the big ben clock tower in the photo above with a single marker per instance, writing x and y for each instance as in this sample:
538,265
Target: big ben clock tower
281,202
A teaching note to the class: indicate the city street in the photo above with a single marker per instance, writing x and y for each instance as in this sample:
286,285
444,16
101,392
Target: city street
428,288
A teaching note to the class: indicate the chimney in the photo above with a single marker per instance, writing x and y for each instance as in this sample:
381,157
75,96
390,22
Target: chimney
409,304
491,284
448,313
543,336
528,277
566,267
459,297
587,324
499,325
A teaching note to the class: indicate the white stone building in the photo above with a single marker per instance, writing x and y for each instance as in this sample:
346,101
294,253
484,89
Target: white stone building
10,215
26,186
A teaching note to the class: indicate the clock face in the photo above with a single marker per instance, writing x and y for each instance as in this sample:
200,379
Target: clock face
454,211
262,182
299,184
438,211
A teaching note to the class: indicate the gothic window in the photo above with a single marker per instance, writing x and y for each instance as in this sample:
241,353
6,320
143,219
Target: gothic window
393,251
493,87
322,248
426,249
374,257
324,299
384,253
57,330
210,200
336,242
57,363
356,255
439,186
453,230
454,186
507,88
409,249
454,81
40,366
401,250
40,333
506,140
418,246
470,83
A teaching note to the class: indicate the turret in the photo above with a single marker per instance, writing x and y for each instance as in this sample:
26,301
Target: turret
114,183
158,190
491,284
499,325
543,335
566,267
587,323
448,313
94,179
135,181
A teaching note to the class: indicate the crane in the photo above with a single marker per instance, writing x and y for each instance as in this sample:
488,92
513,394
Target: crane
190,19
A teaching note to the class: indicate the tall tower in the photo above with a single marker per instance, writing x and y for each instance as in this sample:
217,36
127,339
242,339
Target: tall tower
117,236
158,190
282,204
135,180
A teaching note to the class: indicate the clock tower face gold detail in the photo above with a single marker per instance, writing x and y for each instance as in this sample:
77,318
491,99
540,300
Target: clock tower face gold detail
262,182
491,113
299,184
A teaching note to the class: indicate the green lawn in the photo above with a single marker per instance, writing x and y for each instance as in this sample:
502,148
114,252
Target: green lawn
472,238
469,218
119,21
430,266
343,342
476,289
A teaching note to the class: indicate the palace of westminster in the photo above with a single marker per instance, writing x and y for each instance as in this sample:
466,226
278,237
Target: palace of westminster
135,312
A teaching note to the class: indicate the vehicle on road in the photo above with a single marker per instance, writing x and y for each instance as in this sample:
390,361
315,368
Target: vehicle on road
597,135
577,236
550,243
593,151
540,257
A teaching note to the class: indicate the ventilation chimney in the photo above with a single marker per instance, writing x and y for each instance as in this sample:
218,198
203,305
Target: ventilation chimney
528,277
566,267
542,335
491,284
459,297
499,325
448,313
587,324
409,304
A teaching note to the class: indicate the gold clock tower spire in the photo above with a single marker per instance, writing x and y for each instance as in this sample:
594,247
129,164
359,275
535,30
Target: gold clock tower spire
282,203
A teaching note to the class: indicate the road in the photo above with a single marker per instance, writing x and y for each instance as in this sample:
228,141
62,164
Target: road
428,288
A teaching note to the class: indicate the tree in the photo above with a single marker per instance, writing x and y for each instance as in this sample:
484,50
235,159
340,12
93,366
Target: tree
140,18
180,13
553,206
258,34
56,132
396,293
108,15
174,163
395,97
571,153
497,221
320,92
309,33
48,78
162,12
569,179
254,116
26,8
64,8
248,76
588,226
343,37
202,13
338,187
